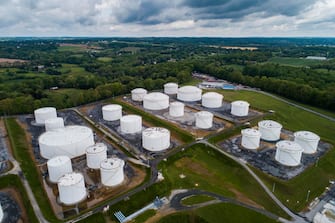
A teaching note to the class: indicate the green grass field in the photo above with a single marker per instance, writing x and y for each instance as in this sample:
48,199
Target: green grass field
295,62
72,48
207,169
217,213
145,216
105,59
73,69
294,119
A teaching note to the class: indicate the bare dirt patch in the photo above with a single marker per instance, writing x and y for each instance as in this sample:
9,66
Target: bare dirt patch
196,167
11,61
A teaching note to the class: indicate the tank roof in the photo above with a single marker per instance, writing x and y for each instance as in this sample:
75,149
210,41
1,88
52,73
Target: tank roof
66,135
130,118
289,146
155,131
212,95
269,124
155,96
96,148
176,103
307,135
111,163
139,90
58,160
112,107
69,179
45,110
171,84
189,89
54,120
204,113
250,132
240,103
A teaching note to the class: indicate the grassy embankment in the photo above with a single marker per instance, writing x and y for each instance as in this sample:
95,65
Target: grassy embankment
22,154
13,181
293,192
217,213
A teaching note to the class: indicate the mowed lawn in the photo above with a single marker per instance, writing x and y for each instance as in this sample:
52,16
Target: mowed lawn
205,168
218,213
316,178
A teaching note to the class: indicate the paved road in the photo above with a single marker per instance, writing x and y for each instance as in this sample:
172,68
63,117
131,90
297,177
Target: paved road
291,103
296,217
175,202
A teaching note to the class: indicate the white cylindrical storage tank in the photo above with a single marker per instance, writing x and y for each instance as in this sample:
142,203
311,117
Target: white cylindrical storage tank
307,140
170,88
138,94
54,123
45,113
111,112
250,138
176,109
111,171
156,101
288,153
270,130
70,141
239,108
156,139
71,188
131,124
58,166
203,120
189,93
212,100
95,155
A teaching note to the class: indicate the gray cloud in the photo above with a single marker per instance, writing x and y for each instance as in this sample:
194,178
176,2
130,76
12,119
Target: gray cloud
146,17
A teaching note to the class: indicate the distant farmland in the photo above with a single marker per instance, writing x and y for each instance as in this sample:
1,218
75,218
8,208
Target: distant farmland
11,61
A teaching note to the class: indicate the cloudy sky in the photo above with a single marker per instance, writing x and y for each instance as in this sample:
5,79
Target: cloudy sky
223,18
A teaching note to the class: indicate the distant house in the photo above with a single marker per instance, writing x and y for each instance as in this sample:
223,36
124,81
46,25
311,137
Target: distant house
207,84
40,68
316,58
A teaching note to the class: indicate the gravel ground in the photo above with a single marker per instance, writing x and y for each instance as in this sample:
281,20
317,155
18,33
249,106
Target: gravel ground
133,140
264,158
11,209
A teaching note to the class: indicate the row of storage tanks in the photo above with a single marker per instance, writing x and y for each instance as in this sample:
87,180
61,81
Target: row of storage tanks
61,143
153,139
204,119
288,153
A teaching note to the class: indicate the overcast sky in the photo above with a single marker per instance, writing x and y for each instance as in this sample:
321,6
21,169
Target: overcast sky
222,18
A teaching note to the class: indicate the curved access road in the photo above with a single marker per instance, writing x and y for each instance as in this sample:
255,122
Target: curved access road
290,103
175,202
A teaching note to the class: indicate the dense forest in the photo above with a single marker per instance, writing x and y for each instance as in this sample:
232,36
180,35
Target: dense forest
66,72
